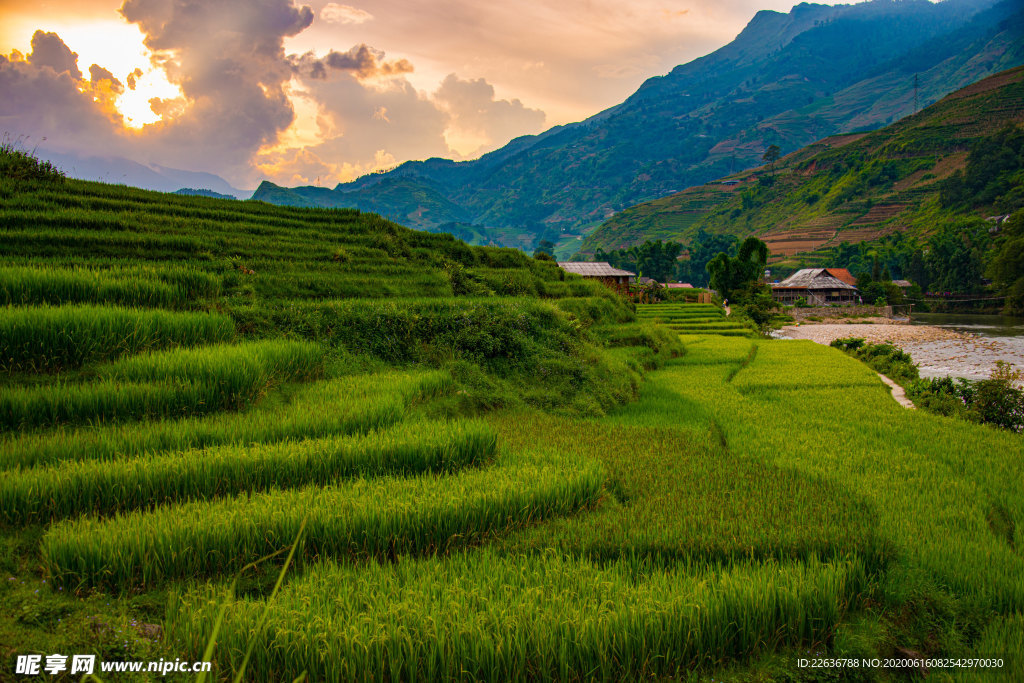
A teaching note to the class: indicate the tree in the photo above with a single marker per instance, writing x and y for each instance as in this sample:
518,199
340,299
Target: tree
545,247
731,275
771,155
1006,267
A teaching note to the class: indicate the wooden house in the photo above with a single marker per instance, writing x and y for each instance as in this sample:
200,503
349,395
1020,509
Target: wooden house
611,277
815,285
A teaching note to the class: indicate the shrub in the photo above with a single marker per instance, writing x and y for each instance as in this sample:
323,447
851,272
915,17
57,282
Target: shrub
23,165
996,401
887,359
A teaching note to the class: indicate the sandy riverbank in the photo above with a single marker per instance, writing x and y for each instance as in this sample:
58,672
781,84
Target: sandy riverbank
938,352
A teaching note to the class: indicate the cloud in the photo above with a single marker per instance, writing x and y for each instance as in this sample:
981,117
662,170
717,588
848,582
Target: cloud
246,108
477,120
361,61
228,59
49,50
98,74
39,102
133,78
361,119
333,13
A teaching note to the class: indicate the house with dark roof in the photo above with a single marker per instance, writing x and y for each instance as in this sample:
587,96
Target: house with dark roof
817,286
602,271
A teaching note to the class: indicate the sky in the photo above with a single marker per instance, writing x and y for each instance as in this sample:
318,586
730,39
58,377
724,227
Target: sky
322,92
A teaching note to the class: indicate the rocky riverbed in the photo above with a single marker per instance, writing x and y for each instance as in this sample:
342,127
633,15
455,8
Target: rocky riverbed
938,352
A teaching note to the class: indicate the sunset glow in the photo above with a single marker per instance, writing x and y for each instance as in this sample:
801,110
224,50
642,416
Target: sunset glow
296,93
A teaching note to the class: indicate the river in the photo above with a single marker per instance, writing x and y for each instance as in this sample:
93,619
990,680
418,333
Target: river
942,345
996,338
985,325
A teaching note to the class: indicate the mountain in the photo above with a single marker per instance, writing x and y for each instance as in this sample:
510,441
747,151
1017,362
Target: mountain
850,188
787,79
193,192
119,170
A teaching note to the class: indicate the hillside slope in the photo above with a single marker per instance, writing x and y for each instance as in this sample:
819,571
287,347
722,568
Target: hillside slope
845,188
706,117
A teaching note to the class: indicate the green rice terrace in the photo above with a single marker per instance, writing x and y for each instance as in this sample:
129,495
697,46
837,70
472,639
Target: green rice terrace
313,444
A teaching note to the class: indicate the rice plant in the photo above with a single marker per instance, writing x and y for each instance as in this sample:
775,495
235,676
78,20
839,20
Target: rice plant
344,405
45,494
164,384
366,518
483,616
51,338
26,286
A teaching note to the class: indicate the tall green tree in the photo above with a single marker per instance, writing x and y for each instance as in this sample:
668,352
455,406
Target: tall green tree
771,155
730,275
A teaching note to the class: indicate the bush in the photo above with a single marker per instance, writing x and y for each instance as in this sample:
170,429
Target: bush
996,401
847,343
22,165
891,361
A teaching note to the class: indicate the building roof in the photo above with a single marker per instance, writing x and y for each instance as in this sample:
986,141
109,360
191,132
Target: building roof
843,274
587,269
902,283
812,278
679,285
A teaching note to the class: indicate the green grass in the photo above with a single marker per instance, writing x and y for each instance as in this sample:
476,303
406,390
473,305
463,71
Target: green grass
366,518
488,617
504,472
48,339
165,384
344,405
46,494
680,496
166,288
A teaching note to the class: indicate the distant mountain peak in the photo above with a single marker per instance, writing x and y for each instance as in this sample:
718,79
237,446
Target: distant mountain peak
787,79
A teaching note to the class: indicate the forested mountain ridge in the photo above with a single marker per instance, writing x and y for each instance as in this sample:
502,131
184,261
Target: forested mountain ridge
849,188
847,67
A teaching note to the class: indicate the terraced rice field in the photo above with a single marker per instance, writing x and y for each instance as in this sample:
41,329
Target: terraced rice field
692,318
736,519
476,469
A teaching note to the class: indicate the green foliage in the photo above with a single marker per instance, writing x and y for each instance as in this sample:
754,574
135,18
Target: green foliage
891,361
17,163
997,401
732,276
47,494
656,260
994,176
376,518
545,251
1006,267
759,306
48,339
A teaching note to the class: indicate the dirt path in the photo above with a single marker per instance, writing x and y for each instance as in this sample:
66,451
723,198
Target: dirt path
898,393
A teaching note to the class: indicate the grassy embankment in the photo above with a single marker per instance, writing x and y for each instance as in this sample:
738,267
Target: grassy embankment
763,500
476,497
217,374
